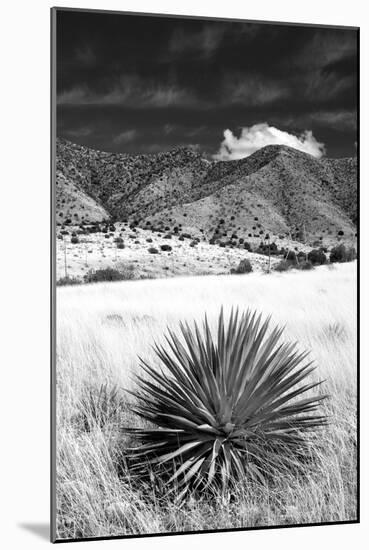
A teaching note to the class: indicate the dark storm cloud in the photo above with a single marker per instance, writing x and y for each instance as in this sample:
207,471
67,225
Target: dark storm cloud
138,83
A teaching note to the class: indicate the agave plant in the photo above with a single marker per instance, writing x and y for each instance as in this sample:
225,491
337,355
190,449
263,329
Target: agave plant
224,408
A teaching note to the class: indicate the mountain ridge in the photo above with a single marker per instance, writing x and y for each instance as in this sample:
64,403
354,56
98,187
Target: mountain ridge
275,190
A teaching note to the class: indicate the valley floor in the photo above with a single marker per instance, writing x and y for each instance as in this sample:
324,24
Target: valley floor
102,328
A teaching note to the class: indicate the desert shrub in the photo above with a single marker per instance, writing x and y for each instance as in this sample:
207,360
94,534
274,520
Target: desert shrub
351,254
291,256
340,254
120,245
181,238
247,246
243,267
149,240
167,236
193,243
305,265
118,240
74,240
216,422
65,281
153,250
317,257
284,265
100,275
274,251
166,247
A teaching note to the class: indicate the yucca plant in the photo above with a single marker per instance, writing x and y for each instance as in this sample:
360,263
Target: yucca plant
225,408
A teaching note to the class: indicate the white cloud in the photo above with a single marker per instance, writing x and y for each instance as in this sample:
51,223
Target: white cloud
126,137
255,137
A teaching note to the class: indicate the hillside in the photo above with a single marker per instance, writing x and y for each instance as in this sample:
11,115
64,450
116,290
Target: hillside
277,190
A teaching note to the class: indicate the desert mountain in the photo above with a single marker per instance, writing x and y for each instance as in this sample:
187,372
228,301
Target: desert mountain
277,190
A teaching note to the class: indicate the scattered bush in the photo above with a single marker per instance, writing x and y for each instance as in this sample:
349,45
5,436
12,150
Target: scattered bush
284,265
305,265
291,256
153,250
74,240
166,247
120,245
66,281
341,254
100,275
243,267
317,257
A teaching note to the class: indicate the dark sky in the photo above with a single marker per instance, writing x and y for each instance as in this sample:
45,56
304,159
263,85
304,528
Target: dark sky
137,84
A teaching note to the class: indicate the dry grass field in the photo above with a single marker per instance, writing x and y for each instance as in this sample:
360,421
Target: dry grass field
102,328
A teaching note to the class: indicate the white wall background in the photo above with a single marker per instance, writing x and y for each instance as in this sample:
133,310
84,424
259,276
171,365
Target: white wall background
24,271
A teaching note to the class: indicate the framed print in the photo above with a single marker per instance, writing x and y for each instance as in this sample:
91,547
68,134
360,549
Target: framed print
204,274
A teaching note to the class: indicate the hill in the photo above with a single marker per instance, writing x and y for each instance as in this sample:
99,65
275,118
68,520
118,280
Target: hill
277,190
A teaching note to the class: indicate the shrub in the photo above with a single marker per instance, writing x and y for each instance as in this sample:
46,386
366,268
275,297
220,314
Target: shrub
340,254
100,275
243,267
317,257
120,245
284,265
153,250
74,240
65,281
216,422
291,256
304,265
247,246
166,247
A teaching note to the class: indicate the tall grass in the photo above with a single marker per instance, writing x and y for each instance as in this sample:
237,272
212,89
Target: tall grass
102,328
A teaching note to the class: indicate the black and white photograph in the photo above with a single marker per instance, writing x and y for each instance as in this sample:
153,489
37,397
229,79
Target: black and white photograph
205,227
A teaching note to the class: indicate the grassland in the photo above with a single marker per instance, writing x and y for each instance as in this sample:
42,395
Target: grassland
102,328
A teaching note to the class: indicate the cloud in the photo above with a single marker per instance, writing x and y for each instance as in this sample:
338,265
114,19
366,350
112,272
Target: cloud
326,47
126,137
85,57
205,41
78,132
323,85
339,120
255,137
252,91
131,91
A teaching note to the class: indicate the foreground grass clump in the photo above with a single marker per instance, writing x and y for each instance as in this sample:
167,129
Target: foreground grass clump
225,410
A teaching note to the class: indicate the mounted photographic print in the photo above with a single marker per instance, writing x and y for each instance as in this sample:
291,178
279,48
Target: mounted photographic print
204,228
